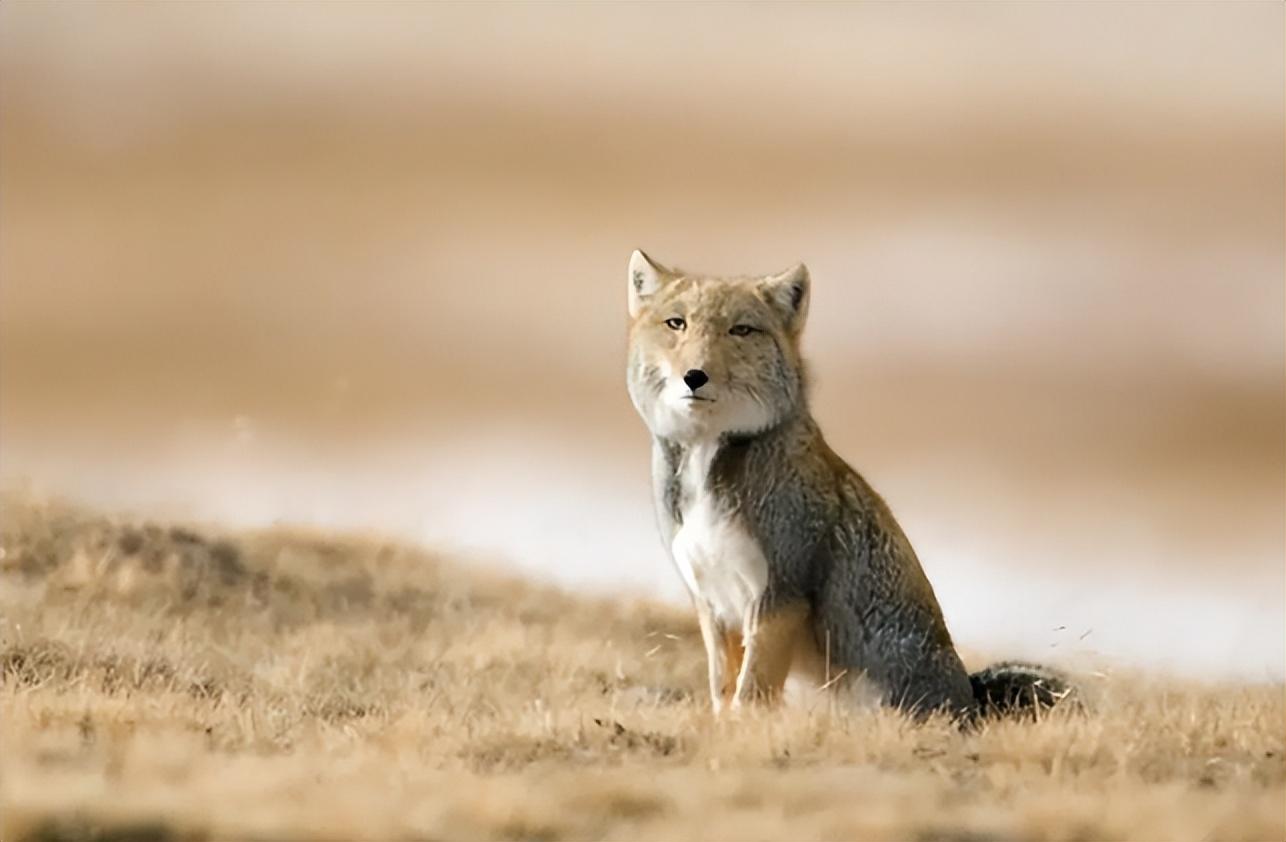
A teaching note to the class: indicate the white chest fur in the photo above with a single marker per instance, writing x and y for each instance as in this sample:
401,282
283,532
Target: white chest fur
719,560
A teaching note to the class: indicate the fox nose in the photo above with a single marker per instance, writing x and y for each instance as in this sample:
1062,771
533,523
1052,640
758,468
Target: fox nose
695,378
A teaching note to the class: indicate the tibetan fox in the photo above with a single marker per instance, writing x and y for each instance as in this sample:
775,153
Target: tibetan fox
796,566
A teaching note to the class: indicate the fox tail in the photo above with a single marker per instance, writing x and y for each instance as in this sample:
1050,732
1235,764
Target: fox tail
1014,688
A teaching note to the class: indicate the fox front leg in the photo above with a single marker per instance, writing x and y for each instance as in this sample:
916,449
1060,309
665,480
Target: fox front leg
770,637
723,658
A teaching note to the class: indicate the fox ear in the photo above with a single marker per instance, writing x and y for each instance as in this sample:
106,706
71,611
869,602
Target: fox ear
787,292
646,277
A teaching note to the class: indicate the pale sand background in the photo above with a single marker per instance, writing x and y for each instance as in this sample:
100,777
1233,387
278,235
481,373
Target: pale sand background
362,266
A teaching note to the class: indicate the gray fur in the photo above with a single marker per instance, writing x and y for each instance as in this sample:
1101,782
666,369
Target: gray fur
832,543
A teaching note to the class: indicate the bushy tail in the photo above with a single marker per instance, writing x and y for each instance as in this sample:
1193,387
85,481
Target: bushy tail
1015,688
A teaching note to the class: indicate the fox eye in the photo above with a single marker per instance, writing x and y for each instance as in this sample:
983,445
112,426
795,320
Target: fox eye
675,323
742,330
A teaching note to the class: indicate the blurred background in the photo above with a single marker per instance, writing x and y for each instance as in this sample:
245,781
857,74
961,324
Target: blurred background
363,266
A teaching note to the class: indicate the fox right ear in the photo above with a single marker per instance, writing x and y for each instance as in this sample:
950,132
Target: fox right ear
645,279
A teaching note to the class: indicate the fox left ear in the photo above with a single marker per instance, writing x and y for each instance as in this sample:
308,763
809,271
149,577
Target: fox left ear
646,277
787,292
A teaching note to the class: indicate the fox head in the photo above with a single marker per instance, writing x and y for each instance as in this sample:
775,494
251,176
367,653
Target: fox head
714,356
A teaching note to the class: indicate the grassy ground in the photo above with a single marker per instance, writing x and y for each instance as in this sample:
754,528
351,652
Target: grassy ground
161,683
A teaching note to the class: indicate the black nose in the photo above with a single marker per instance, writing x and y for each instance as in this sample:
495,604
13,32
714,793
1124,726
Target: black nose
695,378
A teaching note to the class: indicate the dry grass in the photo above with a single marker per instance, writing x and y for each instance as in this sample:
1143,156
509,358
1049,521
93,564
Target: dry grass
158,684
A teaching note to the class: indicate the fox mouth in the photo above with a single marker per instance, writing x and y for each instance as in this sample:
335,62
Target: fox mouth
697,398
